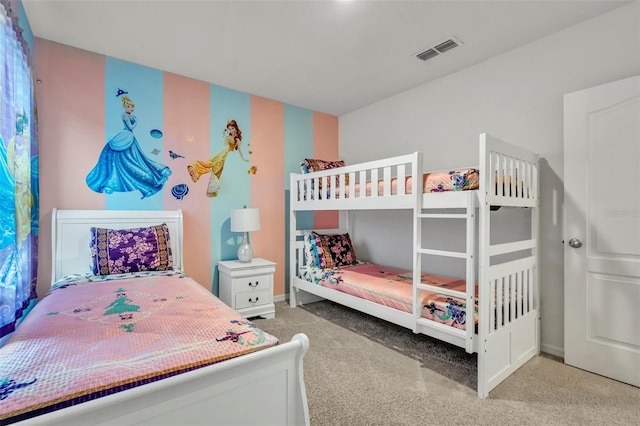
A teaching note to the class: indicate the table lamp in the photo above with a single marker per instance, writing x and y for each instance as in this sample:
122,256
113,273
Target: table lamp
245,220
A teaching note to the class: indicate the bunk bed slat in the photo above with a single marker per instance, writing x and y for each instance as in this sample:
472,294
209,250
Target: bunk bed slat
493,299
512,297
461,255
386,184
443,291
352,187
374,180
497,249
402,173
363,183
442,216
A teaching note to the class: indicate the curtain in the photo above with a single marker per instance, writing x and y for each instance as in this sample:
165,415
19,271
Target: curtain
19,215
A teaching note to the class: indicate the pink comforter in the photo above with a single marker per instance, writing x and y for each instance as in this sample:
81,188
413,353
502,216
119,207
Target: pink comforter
393,287
88,339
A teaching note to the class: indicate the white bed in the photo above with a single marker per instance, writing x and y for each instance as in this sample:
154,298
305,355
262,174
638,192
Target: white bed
508,332
263,387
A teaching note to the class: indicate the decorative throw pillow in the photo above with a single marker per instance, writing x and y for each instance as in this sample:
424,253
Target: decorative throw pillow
310,165
117,251
334,250
309,250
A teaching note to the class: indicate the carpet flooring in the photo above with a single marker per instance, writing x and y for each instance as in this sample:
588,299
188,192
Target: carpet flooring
364,371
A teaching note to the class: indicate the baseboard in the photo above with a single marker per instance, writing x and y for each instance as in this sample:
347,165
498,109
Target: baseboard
303,297
552,350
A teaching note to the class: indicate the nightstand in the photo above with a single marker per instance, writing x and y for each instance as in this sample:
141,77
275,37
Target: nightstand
248,287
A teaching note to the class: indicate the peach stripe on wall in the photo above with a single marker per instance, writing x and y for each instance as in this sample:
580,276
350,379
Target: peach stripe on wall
267,186
186,133
71,135
325,147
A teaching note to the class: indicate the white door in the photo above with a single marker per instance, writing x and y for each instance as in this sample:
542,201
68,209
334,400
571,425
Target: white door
602,230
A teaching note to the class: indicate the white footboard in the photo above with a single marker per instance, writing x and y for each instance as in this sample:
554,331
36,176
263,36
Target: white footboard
509,321
264,387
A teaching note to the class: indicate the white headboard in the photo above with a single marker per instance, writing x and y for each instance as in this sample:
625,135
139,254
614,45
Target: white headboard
70,234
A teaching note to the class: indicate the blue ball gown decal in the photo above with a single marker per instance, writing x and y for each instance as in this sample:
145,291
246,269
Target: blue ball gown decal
123,166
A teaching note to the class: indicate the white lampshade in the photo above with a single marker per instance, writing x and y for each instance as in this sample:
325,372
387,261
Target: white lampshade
245,220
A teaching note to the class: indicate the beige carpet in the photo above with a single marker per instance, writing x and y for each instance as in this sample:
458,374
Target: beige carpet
364,371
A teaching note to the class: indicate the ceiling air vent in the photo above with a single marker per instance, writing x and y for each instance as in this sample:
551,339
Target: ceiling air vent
427,54
443,46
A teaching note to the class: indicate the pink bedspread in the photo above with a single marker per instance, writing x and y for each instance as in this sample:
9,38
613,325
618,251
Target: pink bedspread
89,339
393,287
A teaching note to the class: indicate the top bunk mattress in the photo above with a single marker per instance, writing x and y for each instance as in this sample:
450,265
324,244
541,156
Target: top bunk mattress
94,336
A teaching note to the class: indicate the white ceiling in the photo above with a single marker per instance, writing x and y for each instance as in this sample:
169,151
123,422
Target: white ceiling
331,56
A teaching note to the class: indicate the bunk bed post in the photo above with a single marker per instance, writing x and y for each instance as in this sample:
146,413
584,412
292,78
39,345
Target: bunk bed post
535,235
293,268
470,270
483,264
416,178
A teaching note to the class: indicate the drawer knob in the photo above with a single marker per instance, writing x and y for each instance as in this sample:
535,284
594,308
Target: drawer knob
253,301
253,285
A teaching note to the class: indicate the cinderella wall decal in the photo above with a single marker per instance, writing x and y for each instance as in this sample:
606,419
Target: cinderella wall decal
215,165
123,166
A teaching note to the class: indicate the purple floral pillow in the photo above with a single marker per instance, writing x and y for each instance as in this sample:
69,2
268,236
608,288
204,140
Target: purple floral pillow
117,251
334,250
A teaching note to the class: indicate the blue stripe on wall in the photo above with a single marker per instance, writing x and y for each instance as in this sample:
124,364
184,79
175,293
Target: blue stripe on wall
298,145
235,182
144,87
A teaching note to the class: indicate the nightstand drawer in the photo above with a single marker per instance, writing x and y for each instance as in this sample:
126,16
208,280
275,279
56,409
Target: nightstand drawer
254,298
253,284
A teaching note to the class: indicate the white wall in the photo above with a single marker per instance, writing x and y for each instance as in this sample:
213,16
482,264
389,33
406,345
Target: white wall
517,97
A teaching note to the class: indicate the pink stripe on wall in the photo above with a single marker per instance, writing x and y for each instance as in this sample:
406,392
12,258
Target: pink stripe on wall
71,135
186,132
325,147
267,185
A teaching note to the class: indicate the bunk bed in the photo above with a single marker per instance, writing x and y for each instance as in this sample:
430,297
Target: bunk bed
505,292
150,347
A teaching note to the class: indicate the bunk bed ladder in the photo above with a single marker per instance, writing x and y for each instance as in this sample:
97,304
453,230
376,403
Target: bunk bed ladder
456,334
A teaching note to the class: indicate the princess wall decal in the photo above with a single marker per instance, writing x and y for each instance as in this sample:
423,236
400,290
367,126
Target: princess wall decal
214,166
123,166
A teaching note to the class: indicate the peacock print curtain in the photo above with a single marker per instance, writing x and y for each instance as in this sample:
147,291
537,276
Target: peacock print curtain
19,214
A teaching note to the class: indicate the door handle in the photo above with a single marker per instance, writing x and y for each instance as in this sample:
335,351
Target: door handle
575,243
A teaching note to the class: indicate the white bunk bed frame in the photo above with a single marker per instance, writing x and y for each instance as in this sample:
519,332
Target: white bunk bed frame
263,387
508,328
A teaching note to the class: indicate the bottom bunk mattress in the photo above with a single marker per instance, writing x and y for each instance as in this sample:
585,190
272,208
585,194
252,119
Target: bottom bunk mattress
93,336
393,287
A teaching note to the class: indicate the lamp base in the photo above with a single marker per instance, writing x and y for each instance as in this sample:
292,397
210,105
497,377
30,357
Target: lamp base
245,251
